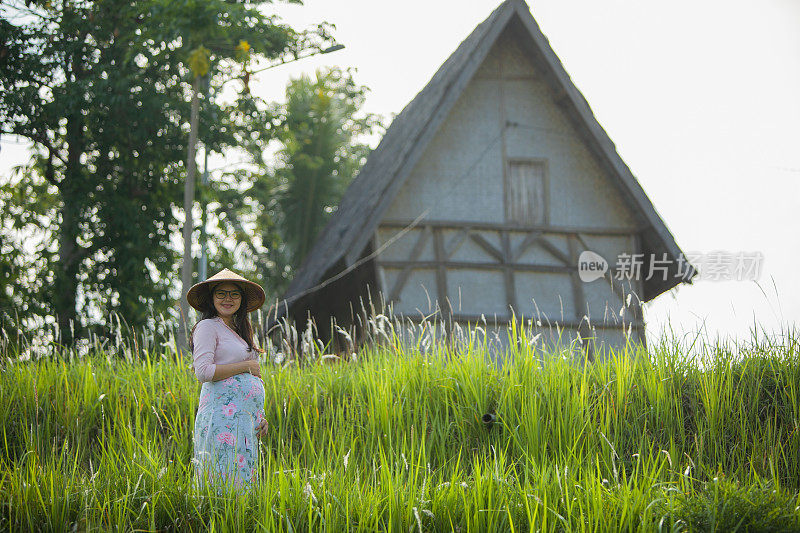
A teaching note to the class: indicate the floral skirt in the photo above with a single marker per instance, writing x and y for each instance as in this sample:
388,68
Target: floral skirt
225,442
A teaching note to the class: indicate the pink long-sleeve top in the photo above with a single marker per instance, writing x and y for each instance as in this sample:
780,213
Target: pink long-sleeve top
216,344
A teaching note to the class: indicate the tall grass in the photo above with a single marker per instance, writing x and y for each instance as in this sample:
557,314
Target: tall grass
395,439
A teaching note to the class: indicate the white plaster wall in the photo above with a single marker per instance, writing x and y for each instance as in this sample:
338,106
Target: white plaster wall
402,246
461,167
418,296
477,292
545,295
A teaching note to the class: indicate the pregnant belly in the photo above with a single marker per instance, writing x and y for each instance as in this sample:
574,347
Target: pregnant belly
239,392
253,389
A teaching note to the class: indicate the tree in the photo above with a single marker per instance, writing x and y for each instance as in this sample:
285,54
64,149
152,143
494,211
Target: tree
101,89
43,80
320,156
322,131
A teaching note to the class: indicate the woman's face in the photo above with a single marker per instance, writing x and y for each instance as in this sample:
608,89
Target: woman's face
227,297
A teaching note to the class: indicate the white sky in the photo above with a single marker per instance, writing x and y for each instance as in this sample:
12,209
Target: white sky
700,99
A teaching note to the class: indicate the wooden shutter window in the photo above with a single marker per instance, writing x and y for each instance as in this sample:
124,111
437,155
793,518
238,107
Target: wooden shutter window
525,203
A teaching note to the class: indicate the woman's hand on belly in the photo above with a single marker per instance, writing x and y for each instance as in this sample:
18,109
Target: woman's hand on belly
254,368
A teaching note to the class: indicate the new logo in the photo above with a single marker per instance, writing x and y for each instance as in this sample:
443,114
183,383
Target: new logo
591,266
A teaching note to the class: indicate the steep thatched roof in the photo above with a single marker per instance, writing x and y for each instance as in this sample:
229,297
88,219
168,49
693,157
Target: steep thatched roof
343,240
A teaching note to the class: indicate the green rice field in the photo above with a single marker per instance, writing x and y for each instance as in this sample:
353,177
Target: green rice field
394,439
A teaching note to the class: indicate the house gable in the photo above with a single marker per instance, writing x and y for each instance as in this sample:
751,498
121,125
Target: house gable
410,144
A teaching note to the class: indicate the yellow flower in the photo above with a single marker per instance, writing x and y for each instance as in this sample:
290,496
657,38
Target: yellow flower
244,46
242,51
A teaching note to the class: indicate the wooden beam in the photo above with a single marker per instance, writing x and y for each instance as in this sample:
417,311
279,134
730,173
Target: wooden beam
508,272
616,287
500,99
637,248
441,273
456,242
462,265
530,238
580,240
553,249
481,241
402,278
579,298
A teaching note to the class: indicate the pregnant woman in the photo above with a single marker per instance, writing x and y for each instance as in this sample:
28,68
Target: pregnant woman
230,415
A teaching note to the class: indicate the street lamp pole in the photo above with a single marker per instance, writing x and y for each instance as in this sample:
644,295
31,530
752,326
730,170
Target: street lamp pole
202,267
188,202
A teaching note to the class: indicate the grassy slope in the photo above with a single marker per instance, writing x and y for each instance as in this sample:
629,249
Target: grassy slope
396,442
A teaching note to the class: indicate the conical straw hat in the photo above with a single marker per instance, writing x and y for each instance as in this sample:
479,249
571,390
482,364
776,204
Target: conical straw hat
201,291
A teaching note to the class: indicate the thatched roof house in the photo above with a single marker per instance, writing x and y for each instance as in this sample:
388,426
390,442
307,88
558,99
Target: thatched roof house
487,187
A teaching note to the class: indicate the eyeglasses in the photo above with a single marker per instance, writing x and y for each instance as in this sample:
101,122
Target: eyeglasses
221,294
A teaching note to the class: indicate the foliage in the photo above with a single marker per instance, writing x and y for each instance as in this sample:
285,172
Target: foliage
322,133
319,157
101,89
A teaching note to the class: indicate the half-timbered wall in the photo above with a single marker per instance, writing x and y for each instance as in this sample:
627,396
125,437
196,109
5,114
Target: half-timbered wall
469,251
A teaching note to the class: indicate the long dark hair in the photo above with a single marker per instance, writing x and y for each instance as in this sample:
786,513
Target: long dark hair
241,320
